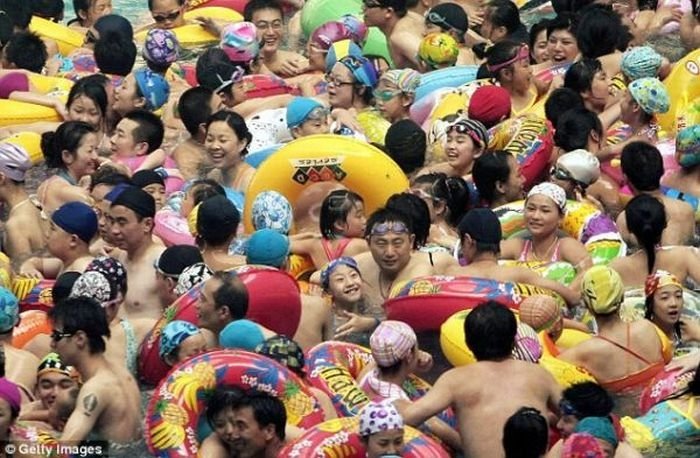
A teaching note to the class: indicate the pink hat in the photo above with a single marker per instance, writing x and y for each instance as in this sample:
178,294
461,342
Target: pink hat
391,342
330,32
490,105
239,41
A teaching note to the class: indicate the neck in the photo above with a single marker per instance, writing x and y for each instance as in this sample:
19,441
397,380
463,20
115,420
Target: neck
197,140
510,87
655,193
14,196
352,307
137,252
636,124
485,256
388,26
396,378
90,364
273,448
498,201
74,255
607,321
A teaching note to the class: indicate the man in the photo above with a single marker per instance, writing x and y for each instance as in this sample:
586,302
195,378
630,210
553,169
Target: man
643,168
130,223
482,409
403,29
480,233
194,107
109,401
217,225
20,365
72,228
169,265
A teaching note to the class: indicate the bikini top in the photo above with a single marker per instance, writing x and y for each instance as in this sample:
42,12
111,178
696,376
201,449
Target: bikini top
527,248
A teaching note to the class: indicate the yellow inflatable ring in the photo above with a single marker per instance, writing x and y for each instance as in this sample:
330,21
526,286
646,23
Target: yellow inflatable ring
66,38
47,84
14,112
194,35
683,85
31,142
356,165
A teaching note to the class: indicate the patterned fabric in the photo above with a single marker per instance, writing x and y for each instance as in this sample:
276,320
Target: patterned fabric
391,342
52,363
582,445
527,344
437,49
659,279
283,350
191,276
380,416
640,62
239,42
161,47
271,210
650,94
688,146
551,190
331,266
475,129
406,80
95,285
602,290
114,272
598,427
540,311
9,310
665,431
173,334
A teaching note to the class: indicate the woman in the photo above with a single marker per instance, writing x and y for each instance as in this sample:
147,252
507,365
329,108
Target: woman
664,304
87,12
509,64
646,220
644,98
588,78
10,400
72,150
539,52
466,140
545,208
561,39
498,178
381,429
226,143
396,92
574,172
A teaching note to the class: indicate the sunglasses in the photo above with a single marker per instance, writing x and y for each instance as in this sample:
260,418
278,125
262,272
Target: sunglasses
370,5
397,227
167,17
560,174
332,79
386,95
57,335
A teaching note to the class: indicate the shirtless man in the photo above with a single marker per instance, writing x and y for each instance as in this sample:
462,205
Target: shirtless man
109,401
194,108
72,228
481,408
403,29
130,223
24,231
643,167
20,365
480,233
217,224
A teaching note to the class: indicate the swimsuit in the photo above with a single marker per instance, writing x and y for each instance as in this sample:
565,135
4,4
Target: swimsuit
386,390
331,253
527,248
131,347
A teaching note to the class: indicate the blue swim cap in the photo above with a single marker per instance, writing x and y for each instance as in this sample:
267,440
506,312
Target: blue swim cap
154,88
340,49
299,109
76,218
173,334
9,310
241,334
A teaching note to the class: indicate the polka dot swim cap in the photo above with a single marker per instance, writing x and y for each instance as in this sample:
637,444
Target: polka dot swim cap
379,416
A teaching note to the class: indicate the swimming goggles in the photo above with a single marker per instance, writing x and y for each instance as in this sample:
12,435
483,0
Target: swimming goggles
567,408
397,227
522,54
461,127
236,76
440,21
560,174
386,95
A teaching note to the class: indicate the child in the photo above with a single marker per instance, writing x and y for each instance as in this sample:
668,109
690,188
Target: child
306,116
151,182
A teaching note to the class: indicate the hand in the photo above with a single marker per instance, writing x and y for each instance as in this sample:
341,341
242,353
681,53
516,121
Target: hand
425,361
685,363
28,270
355,323
61,110
666,14
690,330
294,67
209,25
345,118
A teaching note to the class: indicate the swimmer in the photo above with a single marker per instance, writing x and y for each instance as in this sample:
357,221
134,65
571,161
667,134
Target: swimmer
180,340
194,108
136,143
306,116
217,222
169,266
498,178
381,429
403,29
687,178
226,142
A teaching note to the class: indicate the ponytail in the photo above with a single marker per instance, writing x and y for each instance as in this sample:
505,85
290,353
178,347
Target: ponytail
646,219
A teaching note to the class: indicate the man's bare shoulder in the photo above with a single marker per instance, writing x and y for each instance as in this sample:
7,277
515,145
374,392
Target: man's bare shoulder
289,54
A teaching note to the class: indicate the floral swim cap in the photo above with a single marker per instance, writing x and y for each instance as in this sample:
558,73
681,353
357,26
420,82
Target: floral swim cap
406,80
379,416
173,334
438,49
161,47
688,146
650,94
551,190
271,210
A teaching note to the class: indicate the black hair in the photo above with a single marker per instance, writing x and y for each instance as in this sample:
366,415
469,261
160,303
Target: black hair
643,165
6,30
150,4
504,13
525,434
232,293
26,51
386,215
19,12
560,101
211,64
109,176
335,208
97,78
223,397
93,91
489,169
649,314
563,21
501,52
489,330
405,142
83,314
48,9
646,219
81,5
452,190
149,128
67,137
157,68
589,400
599,31
64,284
534,31
114,55
415,208
236,123
574,127
256,5
267,410
579,77
194,108
226,226
481,247
204,189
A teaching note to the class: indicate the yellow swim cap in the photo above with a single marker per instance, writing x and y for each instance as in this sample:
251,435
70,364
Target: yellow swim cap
438,49
602,290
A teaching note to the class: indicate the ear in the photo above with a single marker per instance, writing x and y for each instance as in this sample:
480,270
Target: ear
243,144
141,148
412,239
224,312
594,136
81,339
140,102
67,157
407,100
340,226
202,129
269,432
500,187
74,240
148,224
82,14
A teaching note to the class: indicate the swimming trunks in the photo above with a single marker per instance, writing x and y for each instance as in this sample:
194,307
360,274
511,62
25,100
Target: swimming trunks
131,346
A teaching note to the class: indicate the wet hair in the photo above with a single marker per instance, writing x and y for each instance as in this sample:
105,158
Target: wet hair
574,127
223,397
256,5
92,90
19,12
207,64
579,77
560,101
26,51
204,189
64,284
504,13
489,169
218,234
194,108
97,78
534,31
502,51
67,137
335,209
6,30
267,410
525,434
589,400
149,128
108,176
649,314
83,314
643,165
236,123
232,293
489,331
646,219
599,31
406,143
114,55
452,190
48,9
415,208
150,4
386,215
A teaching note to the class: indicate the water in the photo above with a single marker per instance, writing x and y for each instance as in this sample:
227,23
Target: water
135,11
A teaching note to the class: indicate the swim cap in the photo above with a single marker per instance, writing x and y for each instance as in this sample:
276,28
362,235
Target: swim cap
582,445
659,279
358,29
406,142
340,49
177,258
379,416
406,80
173,334
76,218
326,34
551,190
118,189
52,363
95,285
143,178
154,88
391,342
602,290
640,62
362,70
239,41
136,200
650,94
598,427
217,214
191,276
582,166
14,161
242,334
9,310
527,345
438,49
474,129
540,311
285,351
114,23
10,393
267,247
299,110
482,225
688,146
161,47
271,210
331,266
113,270
449,16
490,105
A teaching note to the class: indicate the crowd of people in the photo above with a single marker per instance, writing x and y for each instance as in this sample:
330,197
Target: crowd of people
140,191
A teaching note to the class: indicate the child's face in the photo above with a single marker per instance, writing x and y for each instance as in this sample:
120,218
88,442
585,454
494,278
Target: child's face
158,192
313,127
356,221
122,143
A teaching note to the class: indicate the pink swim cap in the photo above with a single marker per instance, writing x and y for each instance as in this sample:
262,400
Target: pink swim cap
240,43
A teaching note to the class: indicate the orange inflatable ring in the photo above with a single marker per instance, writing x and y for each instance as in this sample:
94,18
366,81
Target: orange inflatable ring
31,324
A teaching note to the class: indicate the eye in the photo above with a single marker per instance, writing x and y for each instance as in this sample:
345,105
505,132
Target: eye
692,67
